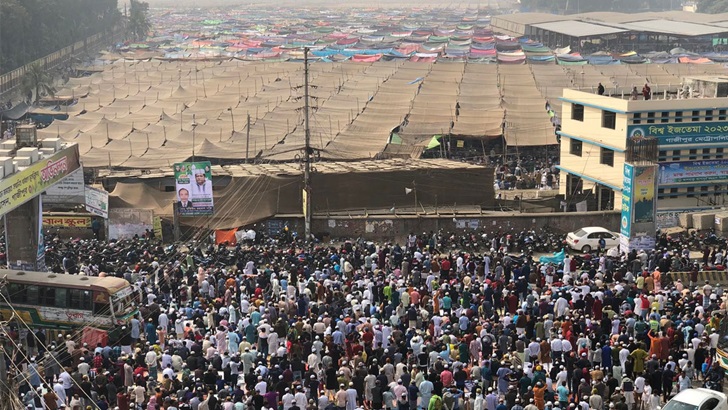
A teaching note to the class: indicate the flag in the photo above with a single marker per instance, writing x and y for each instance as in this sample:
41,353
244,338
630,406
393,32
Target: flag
434,142
416,80
395,139
407,191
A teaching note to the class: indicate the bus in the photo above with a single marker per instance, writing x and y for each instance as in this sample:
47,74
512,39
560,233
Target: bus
65,302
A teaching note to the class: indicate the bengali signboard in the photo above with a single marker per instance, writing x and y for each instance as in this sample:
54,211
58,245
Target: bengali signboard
193,183
69,190
97,202
693,171
678,134
51,221
626,220
32,181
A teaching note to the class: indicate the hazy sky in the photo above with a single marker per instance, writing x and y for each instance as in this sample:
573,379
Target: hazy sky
325,3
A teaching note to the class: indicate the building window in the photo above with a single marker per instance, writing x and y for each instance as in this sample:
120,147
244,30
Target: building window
706,153
691,190
704,190
606,157
708,115
662,156
637,118
660,191
693,154
609,119
676,155
575,147
650,117
665,117
719,153
577,112
678,116
696,116
721,115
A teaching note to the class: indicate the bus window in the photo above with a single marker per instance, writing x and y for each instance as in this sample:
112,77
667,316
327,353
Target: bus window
48,296
17,293
32,295
79,299
61,298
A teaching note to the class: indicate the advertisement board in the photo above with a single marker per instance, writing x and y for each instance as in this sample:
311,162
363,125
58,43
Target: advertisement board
22,186
690,133
693,171
97,202
125,223
625,224
40,265
193,184
50,221
643,195
69,190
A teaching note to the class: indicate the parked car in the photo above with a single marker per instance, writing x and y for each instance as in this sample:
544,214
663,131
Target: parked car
586,239
697,399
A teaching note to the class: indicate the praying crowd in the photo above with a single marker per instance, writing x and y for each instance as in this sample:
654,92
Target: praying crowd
371,326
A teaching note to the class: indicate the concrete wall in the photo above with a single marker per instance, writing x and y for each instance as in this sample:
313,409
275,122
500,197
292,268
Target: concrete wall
397,228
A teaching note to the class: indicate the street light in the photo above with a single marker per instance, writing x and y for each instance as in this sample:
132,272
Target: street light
194,125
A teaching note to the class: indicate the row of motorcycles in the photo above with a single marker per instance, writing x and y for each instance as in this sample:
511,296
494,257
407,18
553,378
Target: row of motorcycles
541,240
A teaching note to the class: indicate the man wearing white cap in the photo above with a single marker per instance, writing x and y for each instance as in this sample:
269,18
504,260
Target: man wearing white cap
202,187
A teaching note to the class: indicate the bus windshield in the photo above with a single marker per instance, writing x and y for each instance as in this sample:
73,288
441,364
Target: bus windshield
123,302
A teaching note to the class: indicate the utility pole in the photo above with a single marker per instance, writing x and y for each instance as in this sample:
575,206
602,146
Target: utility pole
247,140
307,157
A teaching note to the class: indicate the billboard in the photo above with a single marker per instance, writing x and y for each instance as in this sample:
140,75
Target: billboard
637,225
124,223
193,184
69,190
97,202
52,221
693,171
626,221
674,134
643,195
22,186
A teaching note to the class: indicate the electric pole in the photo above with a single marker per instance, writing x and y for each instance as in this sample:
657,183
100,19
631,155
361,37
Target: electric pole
307,156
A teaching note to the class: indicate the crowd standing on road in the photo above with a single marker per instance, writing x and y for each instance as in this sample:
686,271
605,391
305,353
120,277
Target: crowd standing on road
422,325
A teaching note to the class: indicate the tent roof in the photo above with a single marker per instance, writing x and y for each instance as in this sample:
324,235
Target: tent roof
578,28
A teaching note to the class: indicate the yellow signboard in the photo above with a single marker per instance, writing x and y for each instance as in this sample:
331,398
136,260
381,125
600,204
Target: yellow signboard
66,221
304,194
23,186
157,223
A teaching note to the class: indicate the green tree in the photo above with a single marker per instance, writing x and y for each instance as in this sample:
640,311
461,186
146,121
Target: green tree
37,80
139,25
32,29
713,6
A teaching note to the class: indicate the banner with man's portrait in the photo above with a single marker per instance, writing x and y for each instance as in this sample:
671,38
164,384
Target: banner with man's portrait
193,184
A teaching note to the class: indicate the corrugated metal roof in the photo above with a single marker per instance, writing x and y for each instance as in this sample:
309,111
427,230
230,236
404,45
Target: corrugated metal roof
530,18
578,28
677,28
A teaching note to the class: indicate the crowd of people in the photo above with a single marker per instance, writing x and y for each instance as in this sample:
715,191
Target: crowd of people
359,325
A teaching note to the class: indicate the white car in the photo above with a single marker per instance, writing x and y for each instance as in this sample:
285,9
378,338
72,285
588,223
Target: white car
697,399
586,239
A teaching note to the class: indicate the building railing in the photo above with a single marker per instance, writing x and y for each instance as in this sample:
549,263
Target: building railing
12,79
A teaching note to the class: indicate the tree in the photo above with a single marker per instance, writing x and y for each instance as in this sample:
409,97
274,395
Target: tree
713,6
32,29
139,24
37,80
